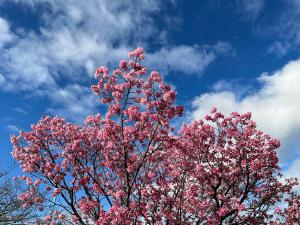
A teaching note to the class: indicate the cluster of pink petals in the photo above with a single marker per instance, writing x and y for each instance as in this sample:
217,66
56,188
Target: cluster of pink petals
130,167
138,53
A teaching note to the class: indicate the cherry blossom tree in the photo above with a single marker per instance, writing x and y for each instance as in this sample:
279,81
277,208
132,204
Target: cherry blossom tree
130,166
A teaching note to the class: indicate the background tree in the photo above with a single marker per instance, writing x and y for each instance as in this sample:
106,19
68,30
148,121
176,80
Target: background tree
11,210
131,167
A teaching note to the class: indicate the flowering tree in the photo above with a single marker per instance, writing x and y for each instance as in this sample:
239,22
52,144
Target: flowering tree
131,167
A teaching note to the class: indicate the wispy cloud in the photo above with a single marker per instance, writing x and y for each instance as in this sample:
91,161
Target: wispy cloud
278,21
13,128
279,48
283,26
250,8
20,110
74,102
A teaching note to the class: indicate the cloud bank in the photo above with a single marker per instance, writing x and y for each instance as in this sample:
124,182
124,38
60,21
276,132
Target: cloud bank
275,106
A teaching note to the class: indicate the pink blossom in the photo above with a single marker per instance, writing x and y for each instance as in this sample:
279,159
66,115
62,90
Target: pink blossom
155,77
169,96
56,192
123,64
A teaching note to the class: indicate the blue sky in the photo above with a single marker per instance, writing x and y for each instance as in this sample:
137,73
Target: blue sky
238,55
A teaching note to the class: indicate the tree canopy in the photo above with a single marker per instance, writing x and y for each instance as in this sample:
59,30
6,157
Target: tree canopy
131,166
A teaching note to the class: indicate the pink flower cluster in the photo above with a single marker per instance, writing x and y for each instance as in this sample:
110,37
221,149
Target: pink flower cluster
138,53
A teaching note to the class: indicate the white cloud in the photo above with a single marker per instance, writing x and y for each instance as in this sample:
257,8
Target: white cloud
5,33
275,106
188,59
250,8
27,65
